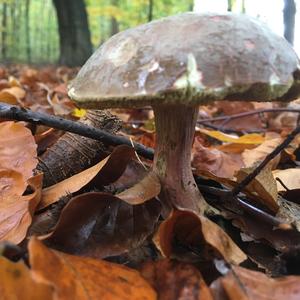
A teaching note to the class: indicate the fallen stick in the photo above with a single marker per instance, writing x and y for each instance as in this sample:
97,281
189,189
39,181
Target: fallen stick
12,112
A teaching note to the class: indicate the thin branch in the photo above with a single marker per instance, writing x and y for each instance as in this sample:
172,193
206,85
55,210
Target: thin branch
236,190
13,112
248,113
225,198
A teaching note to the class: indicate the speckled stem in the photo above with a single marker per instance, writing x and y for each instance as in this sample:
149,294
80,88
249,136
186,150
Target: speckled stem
175,128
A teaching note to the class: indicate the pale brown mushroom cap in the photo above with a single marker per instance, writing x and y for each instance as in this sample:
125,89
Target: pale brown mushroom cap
189,59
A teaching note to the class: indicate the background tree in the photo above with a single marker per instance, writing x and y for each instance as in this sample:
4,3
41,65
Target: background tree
114,21
150,11
289,13
74,33
4,30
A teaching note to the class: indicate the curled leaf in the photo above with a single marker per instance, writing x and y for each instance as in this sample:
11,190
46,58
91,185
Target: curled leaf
106,171
199,236
105,225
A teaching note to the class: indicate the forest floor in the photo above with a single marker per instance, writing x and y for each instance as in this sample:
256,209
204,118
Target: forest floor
81,219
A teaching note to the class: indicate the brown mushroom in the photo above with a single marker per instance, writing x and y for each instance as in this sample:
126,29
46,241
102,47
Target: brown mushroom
175,64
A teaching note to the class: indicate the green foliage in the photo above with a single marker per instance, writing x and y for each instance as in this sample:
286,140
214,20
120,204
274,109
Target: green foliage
41,43
128,13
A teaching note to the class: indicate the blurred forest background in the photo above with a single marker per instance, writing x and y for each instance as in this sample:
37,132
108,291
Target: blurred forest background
67,31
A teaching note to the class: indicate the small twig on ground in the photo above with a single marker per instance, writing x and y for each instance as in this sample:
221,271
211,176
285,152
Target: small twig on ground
248,113
13,112
236,190
228,130
225,199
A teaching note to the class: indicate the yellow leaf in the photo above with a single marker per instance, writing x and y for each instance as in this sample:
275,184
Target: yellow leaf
263,185
252,138
79,112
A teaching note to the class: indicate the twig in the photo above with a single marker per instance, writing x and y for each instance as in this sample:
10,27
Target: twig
236,190
226,199
248,113
13,112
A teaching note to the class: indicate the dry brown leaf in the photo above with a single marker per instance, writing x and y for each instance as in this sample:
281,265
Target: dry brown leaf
251,157
290,178
84,278
174,280
13,81
12,95
18,282
148,188
199,236
11,183
106,171
18,149
16,211
252,122
105,225
241,283
61,107
264,185
282,238
216,162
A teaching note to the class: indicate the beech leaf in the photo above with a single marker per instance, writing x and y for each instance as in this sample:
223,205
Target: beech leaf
198,234
81,278
106,171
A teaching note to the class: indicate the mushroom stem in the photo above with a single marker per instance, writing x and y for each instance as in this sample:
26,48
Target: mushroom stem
175,128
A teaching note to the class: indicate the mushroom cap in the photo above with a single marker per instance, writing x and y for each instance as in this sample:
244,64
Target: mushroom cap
189,59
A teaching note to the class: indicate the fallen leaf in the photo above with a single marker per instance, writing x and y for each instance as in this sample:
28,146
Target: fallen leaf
251,157
12,95
133,173
60,107
79,112
16,211
258,228
17,149
14,82
217,162
11,183
241,283
106,171
81,278
264,185
195,238
174,280
105,225
146,189
252,122
18,282
235,148
252,138
290,178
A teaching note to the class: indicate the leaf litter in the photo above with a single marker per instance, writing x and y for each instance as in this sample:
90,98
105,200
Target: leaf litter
111,211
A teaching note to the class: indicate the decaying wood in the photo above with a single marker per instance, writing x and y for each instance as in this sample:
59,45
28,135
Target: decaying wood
73,153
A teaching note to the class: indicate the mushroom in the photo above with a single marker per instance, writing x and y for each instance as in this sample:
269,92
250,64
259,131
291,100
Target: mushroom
177,63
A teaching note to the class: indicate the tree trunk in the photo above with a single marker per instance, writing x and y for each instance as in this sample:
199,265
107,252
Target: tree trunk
27,28
150,11
4,31
114,21
74,34
229,5
243,7
289,12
